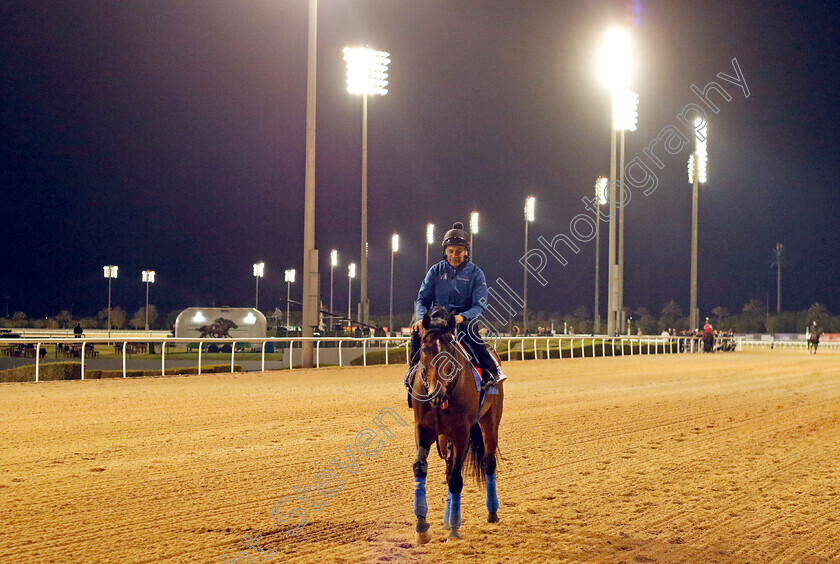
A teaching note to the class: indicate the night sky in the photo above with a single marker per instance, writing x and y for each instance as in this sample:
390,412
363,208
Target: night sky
170,136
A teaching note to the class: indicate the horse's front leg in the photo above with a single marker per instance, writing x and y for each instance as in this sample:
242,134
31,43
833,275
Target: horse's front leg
490,431
420,467
460,445
449,462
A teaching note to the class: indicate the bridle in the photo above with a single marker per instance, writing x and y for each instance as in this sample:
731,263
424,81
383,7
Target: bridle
432,348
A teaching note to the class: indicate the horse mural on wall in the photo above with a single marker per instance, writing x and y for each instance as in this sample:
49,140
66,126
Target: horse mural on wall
219,329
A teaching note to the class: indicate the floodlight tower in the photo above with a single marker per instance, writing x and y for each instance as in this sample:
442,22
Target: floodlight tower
625,110
697,168
259,272
600,200
351,274
290,278
529,217
395,246
473,231
367,74
333,264
430,240
615,73
110,274
148,276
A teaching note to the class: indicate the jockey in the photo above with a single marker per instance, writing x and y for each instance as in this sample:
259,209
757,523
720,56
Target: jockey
458,285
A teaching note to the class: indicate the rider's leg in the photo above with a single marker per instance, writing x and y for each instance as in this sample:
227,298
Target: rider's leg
476,346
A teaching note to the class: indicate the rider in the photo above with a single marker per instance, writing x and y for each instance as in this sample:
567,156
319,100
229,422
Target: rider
458,285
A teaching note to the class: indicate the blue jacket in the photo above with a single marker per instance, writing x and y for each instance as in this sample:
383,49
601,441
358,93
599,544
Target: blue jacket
463,291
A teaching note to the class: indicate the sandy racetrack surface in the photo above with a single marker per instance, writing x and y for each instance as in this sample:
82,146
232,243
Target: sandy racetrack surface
727,457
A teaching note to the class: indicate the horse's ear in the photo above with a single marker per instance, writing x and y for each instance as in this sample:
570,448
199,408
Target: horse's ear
426,320
450,323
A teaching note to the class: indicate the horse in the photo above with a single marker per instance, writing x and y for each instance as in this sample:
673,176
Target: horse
206,330
708,341
219,329
223,326
447,411
814,340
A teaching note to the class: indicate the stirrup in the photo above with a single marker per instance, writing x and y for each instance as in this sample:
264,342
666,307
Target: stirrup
489,380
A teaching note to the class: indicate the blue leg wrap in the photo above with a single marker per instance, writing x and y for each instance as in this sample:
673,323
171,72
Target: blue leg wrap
455,512
448,506
492,500
420,507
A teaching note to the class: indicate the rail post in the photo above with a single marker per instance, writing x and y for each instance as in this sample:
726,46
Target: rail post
232,353
37,360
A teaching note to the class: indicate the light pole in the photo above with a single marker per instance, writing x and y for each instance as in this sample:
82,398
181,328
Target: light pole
110,273
333,264
395,246
600,200
290,278
473,231
351,274
615,73
367,74
259,272
311,278
148,276
529,217
777,262
696,174
430,240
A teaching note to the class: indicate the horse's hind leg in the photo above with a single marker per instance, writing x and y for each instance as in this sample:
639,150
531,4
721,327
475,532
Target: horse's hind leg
425,438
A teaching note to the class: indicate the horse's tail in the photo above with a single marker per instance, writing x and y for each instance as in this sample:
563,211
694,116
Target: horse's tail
475,458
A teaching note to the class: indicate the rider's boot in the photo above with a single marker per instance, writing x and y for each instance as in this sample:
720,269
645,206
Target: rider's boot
488,379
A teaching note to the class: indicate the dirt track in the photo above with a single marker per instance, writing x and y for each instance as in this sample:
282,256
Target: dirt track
728,458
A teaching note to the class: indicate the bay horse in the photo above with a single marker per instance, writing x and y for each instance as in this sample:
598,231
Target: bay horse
447,412
814,340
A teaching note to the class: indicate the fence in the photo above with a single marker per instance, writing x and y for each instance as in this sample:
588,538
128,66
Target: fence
796,345
540,347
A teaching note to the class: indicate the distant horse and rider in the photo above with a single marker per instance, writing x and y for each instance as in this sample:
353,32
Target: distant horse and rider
451,412
219,329
814,340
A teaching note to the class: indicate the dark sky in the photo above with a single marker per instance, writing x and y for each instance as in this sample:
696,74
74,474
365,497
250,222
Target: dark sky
170,135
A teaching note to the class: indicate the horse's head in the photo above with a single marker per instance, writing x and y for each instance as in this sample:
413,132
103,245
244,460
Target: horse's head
438,359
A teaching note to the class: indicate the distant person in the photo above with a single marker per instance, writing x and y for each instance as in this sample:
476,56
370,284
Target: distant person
77,331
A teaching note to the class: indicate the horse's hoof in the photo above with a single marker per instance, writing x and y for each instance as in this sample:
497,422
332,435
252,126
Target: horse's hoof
453,535
492,518
422,538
